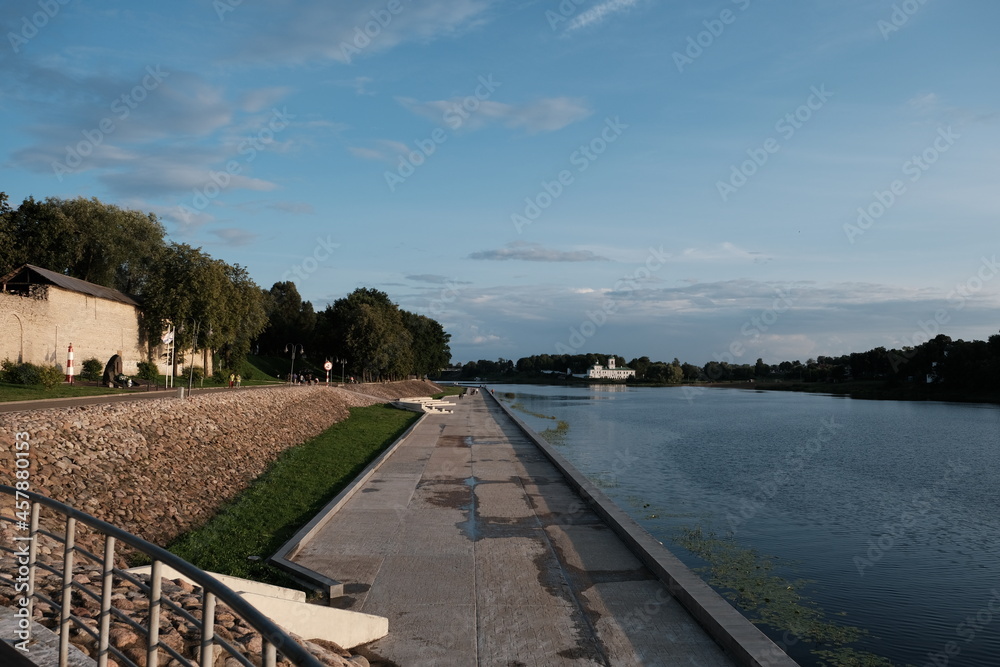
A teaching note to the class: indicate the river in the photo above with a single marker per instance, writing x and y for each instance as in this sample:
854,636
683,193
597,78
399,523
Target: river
889,509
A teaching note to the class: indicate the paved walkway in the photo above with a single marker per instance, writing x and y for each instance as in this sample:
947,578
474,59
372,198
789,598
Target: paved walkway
471,543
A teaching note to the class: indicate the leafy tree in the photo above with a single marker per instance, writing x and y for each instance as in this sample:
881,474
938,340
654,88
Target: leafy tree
84,238
92,370
147,371
289,319
431,352
241,319
640,365
213,305
366,328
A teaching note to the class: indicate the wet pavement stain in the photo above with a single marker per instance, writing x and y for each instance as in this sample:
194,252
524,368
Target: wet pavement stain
455,441
553,579
470,527
456,496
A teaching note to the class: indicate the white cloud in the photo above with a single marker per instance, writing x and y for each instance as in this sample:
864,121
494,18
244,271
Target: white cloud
384,150
317,30
725,251
534,252
234,236
262,98
598,14
543,115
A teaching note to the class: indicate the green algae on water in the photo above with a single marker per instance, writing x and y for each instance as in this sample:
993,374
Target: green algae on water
746,578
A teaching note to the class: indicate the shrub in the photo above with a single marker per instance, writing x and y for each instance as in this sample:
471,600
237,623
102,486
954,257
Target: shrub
14,373
93,369
247,370
50,376
196,373
6,366
147,371
221,375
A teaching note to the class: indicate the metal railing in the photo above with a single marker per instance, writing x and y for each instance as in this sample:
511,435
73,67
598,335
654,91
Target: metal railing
27,507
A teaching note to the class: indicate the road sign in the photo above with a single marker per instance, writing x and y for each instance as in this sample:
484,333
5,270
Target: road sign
327,366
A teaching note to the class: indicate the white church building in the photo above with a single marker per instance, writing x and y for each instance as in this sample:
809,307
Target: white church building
599,372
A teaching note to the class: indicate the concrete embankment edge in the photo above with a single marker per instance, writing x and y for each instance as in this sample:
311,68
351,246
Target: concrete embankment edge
283,556
740,638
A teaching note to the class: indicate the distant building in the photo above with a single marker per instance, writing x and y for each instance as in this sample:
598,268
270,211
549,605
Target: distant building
599,372
42,312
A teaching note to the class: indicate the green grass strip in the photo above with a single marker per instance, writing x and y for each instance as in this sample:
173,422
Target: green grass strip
448,391
21,392
289,494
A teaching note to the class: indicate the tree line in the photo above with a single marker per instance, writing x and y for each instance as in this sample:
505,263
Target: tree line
973,365
214,305
377,339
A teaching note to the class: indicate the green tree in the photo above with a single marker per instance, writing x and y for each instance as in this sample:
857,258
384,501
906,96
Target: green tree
367,330
240,319
640,365
213,305
431,352
289,319
92,370
84,238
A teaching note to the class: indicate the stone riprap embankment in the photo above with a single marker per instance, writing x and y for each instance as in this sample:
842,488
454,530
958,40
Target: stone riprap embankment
160,468
390,391
157,469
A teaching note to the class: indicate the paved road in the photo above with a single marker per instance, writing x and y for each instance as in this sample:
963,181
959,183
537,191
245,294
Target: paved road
472,544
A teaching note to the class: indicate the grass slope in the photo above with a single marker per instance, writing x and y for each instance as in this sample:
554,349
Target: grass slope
289,494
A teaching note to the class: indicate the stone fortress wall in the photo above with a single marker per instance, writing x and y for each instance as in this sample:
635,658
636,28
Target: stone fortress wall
39,329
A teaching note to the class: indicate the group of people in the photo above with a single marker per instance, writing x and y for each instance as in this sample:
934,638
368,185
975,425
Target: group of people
235,380
303,378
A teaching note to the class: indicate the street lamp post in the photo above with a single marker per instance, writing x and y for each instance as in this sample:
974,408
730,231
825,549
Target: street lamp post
342,362
291,347
194,347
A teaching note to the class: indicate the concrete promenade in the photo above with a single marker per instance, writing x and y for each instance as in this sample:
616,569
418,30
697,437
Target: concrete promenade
477,550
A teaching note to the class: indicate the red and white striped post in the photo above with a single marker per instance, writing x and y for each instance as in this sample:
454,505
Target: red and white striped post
69,365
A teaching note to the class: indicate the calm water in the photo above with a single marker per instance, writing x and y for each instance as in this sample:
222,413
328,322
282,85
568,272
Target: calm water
835,480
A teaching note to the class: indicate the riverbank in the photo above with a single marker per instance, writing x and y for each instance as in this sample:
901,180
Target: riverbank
876,390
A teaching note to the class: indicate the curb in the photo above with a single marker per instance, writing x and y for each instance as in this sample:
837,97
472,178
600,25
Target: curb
283,556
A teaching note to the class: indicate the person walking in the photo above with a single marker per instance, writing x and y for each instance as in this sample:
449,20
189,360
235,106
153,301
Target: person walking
239,380
232,378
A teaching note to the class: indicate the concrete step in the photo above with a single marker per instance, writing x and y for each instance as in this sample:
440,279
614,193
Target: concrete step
288,608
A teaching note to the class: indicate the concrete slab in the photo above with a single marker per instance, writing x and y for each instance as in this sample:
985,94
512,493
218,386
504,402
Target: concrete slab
43,645
472,543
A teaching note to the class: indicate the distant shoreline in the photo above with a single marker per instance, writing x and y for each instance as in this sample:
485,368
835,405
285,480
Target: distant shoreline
874,390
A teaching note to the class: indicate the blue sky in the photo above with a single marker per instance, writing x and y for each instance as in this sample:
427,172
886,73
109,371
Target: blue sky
723,180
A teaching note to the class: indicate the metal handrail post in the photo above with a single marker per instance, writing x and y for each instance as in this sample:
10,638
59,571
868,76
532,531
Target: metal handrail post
32,556
66,604
207,629
107,586
155,603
